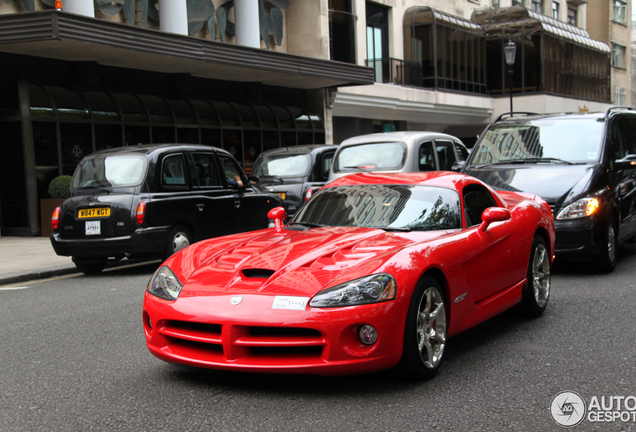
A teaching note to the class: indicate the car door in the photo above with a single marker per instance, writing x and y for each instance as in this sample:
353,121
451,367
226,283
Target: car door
499,256
249,207
214,202
623,179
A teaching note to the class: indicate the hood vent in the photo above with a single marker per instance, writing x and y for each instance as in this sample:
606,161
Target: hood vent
258,273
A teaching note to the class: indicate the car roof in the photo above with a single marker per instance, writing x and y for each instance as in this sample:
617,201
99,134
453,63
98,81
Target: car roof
396,136
311,148
551,116
147,149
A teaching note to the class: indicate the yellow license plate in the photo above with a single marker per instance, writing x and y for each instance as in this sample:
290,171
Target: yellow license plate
93,213
280,194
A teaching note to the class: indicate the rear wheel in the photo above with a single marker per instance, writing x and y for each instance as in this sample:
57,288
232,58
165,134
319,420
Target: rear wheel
90,266
425,333
179,238
536,291
608,256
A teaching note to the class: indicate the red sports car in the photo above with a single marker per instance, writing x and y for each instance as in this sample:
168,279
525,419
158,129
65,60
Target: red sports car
375,271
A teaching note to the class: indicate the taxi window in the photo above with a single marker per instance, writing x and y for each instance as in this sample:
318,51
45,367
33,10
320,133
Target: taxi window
206,171
173,171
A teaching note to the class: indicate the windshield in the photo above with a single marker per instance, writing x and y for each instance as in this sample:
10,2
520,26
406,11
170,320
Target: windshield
376,156
112,171
418,208
571,140
282,165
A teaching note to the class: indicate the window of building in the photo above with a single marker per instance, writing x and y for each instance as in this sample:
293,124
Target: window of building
537,6
618,55
517,2
620,11
620,96
378,41
341,31
555,10
495,3
573,16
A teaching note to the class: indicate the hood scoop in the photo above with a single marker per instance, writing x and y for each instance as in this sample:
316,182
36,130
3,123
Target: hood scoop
256,273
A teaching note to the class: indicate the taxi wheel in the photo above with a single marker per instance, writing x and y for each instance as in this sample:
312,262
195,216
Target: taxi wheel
425,332
178,238
90,267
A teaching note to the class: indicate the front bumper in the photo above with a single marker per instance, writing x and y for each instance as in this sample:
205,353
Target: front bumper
209,332
579,239
143,242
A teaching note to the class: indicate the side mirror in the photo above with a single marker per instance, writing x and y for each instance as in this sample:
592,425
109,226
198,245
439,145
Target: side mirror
493,214
627,162
278,215
253,180
458,165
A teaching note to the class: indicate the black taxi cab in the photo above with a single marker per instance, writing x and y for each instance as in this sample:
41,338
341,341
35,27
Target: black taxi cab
153,200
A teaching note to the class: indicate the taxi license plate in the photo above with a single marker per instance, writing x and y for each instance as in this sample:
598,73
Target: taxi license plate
93,227
280,194
93,213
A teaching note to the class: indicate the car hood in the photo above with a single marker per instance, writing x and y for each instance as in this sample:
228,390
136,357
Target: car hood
553,183
286,262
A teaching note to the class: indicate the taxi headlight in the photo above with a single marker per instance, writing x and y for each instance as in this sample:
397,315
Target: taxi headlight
164,284
369,289
579,209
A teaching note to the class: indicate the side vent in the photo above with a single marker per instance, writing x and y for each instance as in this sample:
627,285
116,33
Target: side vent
258,273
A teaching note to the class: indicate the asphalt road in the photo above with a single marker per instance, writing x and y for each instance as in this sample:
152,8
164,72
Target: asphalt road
73,358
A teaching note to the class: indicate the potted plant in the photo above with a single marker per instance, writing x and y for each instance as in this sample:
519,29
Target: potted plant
59,190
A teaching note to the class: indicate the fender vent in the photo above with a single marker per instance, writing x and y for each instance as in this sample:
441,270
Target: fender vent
258,273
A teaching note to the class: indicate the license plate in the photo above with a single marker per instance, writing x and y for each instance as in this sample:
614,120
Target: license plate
93,227
93,212
280,194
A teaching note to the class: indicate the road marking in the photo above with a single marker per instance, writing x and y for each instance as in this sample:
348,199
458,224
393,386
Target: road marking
11,288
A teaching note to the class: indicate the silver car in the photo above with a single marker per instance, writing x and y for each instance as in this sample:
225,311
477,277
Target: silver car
399,152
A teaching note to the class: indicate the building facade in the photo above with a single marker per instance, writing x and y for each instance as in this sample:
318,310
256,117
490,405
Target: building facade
250,75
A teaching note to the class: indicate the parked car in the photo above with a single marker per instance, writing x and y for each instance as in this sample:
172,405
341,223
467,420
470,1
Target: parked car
398,152
583,165
294,173
153,200
375,271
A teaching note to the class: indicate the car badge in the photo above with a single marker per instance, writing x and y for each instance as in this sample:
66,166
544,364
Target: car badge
236,300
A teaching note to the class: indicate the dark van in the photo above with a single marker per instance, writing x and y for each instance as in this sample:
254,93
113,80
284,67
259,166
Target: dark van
153,200
583,165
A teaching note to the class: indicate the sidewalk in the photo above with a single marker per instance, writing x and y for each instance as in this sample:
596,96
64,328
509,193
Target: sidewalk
29,258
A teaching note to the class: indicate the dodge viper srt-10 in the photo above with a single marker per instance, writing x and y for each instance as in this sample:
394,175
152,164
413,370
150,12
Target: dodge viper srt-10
375,271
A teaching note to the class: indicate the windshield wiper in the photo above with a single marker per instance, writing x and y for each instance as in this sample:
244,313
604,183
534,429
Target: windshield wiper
532,160
396,229
359,168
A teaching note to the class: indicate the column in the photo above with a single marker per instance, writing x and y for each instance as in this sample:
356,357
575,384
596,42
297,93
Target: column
173,16
247,23
79,7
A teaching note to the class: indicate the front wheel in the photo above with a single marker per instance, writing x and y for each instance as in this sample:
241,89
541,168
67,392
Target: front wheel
608,257
536,291
178,238
425,332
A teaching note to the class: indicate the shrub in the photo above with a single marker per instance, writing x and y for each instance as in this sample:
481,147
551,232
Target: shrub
60,187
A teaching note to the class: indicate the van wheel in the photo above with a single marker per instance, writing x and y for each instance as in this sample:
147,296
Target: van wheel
90,267
178,238
608,256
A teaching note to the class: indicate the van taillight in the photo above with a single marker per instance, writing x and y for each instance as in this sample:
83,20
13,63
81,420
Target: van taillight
309,194
55,218
141,212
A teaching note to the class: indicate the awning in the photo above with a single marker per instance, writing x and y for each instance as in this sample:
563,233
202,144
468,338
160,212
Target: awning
65,36
423,15
520,21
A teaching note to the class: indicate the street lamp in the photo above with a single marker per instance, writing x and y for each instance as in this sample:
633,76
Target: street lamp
510,49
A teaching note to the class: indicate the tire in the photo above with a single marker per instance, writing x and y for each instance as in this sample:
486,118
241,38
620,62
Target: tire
178,238
536,291
90,267
607,258
425,332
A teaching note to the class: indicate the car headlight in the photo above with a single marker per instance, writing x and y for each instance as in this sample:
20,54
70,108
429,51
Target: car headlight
579,209
369,289
164,284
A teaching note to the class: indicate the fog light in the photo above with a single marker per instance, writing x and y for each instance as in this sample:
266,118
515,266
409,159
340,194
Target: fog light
149,322
367,335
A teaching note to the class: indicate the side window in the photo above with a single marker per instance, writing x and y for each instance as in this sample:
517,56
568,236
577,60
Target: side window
462,153
476,200
327,159
426,157
206,169
173,171
445,154
231,171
